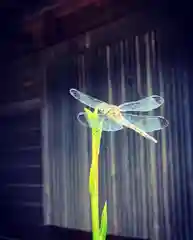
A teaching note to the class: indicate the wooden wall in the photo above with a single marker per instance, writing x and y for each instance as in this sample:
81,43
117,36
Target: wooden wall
20,149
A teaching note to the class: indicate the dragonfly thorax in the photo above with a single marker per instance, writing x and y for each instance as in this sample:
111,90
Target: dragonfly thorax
108,109
114,112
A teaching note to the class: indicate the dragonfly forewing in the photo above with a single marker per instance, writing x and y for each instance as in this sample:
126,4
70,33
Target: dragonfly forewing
142,105
85,99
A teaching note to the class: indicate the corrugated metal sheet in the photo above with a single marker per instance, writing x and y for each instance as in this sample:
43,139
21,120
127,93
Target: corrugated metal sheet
150,194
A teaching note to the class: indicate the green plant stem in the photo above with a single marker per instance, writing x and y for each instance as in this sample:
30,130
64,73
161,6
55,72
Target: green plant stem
93,180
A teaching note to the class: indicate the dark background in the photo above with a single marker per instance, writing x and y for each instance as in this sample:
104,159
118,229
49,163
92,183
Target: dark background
29,32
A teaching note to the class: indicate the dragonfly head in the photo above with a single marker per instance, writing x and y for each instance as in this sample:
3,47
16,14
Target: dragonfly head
103,108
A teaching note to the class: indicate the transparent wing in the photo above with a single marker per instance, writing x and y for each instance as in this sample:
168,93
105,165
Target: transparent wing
85,99
147,123
143,105
108,124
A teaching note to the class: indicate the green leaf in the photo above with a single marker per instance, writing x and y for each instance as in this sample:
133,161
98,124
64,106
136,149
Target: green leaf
103,227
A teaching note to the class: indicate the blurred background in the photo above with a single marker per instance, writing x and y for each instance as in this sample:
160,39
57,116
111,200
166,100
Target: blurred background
116,51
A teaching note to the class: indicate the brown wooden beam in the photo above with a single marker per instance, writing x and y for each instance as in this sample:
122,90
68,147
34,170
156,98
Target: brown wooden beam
75,17
42,25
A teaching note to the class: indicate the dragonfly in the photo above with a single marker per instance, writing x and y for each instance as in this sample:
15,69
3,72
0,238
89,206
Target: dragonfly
115,117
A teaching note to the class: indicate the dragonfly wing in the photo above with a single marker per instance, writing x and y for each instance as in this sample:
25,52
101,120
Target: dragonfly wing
108,124
85,99
147,123
142,105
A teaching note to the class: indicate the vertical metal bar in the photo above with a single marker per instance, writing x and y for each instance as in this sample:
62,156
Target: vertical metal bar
175,129
45,153
153,179
141,142
164,157
171,155
85,163
112,144
124,151
188,158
